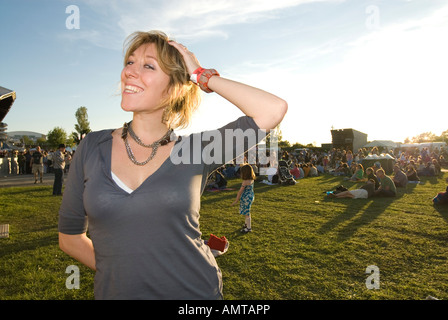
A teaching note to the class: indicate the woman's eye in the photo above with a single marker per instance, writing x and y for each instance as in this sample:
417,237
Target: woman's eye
147,66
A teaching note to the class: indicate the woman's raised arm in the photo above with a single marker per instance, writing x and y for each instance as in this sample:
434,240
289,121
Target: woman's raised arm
266,109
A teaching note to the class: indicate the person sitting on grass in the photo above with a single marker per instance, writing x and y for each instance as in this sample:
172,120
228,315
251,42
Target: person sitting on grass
359,173
400,178
325,163
371,176
387,186
428,170
441,197
313,170
412,175
343,170
302,173
377,166
306,170
442,161
218,180
437,167
420,167
229,171
296,172
366,191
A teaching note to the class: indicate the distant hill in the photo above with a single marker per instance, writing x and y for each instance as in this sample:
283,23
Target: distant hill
20,134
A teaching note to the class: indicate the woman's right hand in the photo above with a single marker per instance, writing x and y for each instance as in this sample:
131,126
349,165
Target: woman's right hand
190,59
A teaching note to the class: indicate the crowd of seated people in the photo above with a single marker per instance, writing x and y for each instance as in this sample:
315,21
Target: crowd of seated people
425,162
409,163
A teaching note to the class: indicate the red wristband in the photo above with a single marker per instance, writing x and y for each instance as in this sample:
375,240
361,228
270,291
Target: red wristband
195,75
201,77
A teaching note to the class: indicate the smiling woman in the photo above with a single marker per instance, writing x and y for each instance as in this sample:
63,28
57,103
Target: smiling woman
158,58
141,73
143,216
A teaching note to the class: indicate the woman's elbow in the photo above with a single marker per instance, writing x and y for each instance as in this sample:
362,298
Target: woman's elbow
67,242
271,114
277,115
62,242
283,108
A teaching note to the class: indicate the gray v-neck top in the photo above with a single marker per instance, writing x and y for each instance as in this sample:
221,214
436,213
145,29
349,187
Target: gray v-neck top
147,243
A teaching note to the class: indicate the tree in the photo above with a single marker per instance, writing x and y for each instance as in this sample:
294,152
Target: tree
26,141
424,137
274,136
297,145
42,142
56,137
444,136
311,145
82,127
284,144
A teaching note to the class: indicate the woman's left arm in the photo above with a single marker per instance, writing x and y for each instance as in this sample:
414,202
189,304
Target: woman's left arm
266,109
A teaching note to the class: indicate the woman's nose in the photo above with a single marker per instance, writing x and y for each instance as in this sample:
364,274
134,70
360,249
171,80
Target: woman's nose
132,71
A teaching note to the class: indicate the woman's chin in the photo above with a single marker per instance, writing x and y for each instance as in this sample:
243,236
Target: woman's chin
127,107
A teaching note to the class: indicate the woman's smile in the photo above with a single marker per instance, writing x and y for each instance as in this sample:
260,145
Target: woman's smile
131,89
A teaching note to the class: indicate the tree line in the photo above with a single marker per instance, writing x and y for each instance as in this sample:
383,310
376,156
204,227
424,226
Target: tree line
420,138
428,137
58,135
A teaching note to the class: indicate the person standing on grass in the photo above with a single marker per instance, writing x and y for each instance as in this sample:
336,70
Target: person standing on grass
126,187
22,162
37,164
246,195
58,167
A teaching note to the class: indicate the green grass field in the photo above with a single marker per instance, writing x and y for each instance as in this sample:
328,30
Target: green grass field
303,245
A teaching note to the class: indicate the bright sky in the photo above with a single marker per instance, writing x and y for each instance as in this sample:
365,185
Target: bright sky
377,66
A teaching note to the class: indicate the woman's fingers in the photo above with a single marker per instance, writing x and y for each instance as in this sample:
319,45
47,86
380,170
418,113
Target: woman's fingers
190,59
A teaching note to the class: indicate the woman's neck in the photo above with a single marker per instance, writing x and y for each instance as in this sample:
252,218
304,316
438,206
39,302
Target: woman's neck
148,128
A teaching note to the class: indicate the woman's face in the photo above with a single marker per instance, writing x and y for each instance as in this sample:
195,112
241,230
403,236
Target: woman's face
143,83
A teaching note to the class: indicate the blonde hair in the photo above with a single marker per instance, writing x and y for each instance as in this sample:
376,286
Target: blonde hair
184,96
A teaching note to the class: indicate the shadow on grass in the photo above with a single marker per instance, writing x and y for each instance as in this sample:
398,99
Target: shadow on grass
329,178
375,208
14,246
237,233
442,209
429,179
11,191
359,214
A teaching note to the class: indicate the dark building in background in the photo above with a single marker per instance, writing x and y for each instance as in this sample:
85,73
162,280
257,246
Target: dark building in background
348,139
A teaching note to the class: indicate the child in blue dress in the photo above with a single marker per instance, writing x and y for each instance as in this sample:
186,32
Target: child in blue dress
246,195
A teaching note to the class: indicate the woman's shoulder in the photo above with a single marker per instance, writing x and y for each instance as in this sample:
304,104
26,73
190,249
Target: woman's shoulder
92,139
101,133
98,136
